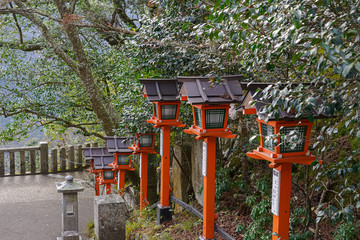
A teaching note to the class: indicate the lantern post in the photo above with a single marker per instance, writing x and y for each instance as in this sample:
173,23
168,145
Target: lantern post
163,93
211,106
283,141
144,144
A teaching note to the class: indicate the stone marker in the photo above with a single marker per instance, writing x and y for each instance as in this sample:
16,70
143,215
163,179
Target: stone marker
69,191
110,217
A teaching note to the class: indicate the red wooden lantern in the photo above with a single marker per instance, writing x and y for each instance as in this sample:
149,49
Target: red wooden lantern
163,93
283,141
119,146
145,142
100,160
210,112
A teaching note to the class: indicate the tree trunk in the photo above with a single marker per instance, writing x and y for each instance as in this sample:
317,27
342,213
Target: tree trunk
85,73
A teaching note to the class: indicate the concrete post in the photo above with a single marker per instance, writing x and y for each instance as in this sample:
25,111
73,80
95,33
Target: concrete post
44,157
69,191
109,217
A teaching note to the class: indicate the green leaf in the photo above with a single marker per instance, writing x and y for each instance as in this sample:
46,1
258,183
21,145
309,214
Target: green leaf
217,3
358,204
347,69
297,23
357,66
348,210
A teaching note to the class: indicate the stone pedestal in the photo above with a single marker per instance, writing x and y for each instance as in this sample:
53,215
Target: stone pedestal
163,214
110,217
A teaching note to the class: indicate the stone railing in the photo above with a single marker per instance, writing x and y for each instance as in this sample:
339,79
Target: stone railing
40,159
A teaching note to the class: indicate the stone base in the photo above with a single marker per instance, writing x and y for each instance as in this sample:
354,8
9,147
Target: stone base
110,217
163,214
69,235
202,238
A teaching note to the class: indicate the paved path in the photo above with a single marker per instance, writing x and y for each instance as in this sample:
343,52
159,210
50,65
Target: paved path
30,207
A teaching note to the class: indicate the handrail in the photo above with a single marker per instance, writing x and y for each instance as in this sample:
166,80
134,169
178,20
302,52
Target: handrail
3,150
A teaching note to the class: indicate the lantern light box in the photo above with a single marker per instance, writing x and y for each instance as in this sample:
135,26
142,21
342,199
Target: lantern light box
163,94
119,146
285,139
210,103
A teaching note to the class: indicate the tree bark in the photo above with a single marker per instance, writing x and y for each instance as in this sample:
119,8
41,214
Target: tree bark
85,73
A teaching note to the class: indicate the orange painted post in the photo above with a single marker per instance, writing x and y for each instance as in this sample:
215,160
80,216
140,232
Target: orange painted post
165,168
121,180
143,180
281,221
209,188
97,186
164,211
108,188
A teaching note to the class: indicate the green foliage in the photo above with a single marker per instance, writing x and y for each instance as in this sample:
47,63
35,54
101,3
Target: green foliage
347,231
222,182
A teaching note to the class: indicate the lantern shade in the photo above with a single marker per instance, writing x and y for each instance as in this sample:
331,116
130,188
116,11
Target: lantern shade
123,159
169,111
109,175
145,140
210,117
156,110
214,118
197,115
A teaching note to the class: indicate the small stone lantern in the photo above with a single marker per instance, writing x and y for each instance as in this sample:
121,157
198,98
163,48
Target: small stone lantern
69,191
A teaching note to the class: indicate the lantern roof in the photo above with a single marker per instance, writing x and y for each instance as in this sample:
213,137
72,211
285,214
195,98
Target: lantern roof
254,93
100,155
200,90
118,144
160,89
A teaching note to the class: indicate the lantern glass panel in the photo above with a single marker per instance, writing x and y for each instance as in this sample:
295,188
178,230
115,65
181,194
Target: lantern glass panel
268,141
108,175
293,139
145,140
214,118
197,116
123,160
168,111
156,110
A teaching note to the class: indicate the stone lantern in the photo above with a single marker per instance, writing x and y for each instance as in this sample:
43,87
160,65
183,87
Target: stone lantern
70,212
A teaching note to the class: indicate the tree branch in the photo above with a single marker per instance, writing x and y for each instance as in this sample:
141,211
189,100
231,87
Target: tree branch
27,47
46,33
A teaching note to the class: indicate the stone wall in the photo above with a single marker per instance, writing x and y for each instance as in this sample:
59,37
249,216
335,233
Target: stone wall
181,175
